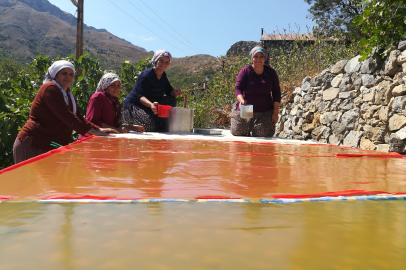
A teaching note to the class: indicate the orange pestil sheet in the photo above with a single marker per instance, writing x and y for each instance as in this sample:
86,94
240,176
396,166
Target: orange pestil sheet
185,169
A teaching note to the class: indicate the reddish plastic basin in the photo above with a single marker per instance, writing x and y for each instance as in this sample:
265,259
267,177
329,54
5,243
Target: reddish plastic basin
163,110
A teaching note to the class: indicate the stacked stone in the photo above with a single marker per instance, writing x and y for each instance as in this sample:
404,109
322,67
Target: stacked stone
354,104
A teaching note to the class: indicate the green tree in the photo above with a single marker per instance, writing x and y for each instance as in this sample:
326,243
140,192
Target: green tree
384,23
335,16
19,85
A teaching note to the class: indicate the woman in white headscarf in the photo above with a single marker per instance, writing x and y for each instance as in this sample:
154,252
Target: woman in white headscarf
54,115
104,108
151,89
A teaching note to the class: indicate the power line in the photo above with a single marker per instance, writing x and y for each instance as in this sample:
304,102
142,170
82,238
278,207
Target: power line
9,7
170,26
146,27
161,27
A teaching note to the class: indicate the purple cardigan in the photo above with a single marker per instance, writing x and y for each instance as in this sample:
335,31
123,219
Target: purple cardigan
257,89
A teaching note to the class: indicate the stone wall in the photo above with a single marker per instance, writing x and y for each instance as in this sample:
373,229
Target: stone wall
352,103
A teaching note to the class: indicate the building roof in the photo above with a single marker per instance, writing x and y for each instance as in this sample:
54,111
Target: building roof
287,37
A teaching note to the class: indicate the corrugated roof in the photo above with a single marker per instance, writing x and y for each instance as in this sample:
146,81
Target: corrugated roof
287,37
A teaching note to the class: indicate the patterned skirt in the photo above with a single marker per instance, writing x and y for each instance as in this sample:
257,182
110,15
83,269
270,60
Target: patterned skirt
134,115
260,125
23,150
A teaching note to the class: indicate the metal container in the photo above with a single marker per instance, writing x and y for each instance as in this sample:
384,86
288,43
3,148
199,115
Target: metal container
180,120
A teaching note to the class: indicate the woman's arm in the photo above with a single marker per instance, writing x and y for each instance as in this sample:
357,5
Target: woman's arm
154,106
240,86
94,110
275,114
54,100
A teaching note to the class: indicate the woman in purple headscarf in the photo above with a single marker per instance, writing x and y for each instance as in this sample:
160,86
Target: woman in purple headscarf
257,85
151,89
104,108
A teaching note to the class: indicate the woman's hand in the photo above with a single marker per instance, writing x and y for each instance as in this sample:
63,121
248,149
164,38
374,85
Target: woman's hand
176,92
102,132
241,100
109,130
154,107
128,128
275,118
138,128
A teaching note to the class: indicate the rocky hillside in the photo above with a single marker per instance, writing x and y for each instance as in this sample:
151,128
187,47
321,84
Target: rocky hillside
241,48
196,63
26,32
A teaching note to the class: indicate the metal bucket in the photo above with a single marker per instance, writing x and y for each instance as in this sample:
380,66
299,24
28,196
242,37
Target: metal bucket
180,120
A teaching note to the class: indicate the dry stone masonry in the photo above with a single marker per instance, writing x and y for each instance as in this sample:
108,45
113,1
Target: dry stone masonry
354,104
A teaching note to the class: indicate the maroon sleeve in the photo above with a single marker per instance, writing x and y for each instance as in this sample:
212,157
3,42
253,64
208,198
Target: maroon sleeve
276,89
80,116
241,82
53,98
94,110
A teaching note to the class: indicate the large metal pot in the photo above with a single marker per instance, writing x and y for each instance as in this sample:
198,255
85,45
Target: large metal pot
180,120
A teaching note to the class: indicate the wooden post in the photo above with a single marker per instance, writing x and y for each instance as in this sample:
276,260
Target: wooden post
184,100
79,33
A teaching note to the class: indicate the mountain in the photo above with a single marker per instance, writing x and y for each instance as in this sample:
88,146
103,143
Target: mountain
45,6
32,27
196,63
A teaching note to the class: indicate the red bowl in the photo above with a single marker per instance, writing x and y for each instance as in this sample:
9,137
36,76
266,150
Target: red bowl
163,110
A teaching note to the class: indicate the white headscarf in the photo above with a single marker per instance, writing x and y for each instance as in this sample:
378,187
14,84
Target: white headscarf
106,80
50,77
160,54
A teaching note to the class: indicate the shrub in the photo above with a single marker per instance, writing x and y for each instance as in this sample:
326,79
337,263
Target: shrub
19,85
292,62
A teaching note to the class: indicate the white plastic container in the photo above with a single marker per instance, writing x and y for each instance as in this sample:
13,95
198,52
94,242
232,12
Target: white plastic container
246,111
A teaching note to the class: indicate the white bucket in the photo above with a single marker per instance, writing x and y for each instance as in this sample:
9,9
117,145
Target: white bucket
180,120
246,111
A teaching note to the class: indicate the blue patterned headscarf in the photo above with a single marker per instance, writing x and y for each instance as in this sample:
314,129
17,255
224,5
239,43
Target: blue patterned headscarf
160,54
261,50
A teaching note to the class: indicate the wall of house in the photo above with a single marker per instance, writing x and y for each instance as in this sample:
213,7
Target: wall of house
352,103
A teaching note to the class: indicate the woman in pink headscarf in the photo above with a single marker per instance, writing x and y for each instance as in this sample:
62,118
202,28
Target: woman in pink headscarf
104,108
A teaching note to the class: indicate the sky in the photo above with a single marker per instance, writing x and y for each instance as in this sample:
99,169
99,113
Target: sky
187,28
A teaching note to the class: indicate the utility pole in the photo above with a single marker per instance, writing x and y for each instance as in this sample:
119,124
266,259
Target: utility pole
79,32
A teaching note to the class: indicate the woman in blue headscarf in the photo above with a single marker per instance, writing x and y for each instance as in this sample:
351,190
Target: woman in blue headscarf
151,89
